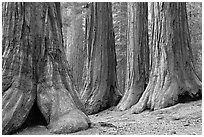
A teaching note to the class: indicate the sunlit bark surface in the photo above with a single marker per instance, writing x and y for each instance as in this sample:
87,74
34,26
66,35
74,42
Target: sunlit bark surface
75,48
34,68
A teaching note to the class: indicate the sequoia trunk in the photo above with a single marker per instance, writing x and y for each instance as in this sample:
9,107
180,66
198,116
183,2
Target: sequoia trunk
137,54
75,54
100,84
172,73
34,68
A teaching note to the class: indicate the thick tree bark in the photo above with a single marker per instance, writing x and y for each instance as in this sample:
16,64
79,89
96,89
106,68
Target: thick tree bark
121,75
76,54
137,55
172,73
100,84
35,69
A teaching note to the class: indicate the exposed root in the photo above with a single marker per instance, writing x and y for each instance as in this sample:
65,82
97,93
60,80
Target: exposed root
141,105
131,97
72,121
16,104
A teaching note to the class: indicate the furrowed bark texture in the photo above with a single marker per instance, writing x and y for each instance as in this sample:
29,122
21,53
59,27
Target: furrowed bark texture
100,84
35,68
172,73
121,75
75,53
137,55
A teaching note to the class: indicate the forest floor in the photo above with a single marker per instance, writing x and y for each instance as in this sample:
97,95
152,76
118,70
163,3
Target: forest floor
181,119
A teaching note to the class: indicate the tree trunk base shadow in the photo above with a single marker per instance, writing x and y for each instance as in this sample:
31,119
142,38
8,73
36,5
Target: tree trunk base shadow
186,97
35,118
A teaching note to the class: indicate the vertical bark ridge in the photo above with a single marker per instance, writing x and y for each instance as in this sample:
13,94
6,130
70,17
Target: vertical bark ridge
18,84
137,55
75,49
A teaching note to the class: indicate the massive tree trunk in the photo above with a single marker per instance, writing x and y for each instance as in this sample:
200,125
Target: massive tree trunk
137,55
76,53
100,84
172,74
34,70
120,26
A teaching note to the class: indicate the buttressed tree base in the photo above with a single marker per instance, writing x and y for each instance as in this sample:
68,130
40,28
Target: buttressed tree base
35,70
172,72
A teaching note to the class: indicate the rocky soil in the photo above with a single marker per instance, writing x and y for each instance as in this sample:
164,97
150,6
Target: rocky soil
181,119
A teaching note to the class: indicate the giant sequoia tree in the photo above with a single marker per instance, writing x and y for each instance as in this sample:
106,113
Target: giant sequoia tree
137,54
75,47
172,72
100,84
35,71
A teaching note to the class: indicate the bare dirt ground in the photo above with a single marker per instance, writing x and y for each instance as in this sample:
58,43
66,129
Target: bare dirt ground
181,119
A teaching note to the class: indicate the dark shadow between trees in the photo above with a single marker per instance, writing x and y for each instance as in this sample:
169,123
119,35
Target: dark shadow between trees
186,97
34,118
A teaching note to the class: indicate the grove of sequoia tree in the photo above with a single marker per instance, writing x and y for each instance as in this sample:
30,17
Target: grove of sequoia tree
100,84
172,72
35,69
137,54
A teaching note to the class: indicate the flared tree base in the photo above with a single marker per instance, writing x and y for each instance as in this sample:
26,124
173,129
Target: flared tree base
73,121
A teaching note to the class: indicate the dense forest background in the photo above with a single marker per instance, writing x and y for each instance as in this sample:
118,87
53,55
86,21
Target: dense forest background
65,63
